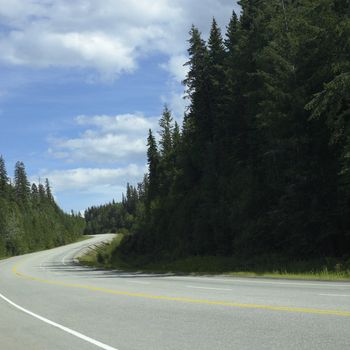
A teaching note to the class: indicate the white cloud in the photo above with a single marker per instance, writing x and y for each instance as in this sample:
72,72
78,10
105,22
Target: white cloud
109,36
121,123
109,139
178,104
93,180
176,67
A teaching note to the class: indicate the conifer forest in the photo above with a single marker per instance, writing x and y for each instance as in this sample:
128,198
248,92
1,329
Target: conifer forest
259,165
261,162
30,219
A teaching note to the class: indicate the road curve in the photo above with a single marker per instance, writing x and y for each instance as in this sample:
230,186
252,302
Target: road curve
47,301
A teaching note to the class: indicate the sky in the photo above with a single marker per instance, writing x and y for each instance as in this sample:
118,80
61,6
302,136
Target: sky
82,81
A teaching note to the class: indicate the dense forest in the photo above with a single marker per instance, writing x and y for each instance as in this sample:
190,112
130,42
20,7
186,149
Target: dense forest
30,219
114,217
261,164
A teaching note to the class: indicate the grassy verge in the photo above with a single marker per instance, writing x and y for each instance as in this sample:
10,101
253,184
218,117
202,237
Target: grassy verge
100,256
328,269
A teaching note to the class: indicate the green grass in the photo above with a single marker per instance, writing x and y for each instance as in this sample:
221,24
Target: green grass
100,257
328,269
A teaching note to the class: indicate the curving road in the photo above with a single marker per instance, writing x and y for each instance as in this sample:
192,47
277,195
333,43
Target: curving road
47,301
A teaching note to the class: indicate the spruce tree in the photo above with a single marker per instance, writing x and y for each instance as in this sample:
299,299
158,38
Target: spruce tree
42,192
34,192
153,166
166,129
48,190
176,137
3,176
198,89
22,185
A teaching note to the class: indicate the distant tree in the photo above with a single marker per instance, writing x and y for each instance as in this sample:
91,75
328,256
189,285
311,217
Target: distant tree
166,129
42,192
3,176
34,193
176,136
22,185
28,220
48,190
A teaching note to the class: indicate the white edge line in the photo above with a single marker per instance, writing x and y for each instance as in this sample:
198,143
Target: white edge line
336,295
63,328
211,288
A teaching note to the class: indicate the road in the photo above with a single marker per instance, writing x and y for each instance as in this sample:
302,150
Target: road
48,302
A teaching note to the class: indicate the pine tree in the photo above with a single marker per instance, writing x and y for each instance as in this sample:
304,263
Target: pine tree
166,129
198,88
176,136
216,69
3,176
48,190
216,55
231,40
34,193
42,192
153,166
22,185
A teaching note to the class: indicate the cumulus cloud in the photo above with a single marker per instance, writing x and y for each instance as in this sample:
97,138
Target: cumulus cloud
108,152
178,104
135,123
94,180
105,139
109,36
176,67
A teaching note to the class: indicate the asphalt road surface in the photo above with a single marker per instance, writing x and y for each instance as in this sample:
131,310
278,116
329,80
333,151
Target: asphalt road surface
48,302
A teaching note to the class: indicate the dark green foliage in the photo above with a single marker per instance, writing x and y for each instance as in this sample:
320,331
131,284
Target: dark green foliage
22,185
165,124
114,217
153,165
261,166
48,190
3,176
29,217
105,219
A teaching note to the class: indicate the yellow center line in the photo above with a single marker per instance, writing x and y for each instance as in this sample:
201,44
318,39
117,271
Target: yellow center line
185,300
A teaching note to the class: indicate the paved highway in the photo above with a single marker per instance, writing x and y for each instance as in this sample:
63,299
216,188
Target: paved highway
49,302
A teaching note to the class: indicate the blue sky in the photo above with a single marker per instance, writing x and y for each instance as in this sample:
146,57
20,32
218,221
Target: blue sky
82,81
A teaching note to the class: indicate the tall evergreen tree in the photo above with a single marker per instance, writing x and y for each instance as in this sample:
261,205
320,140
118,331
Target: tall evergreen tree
166,129
34,192
42,192
153,166
48,190
22,185
3,176
268,122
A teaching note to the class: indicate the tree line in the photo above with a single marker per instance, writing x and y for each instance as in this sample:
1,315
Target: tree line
30,219
261,163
